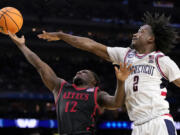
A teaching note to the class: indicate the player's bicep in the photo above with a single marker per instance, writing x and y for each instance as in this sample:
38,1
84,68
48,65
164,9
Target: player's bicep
96,48
49,77
101,51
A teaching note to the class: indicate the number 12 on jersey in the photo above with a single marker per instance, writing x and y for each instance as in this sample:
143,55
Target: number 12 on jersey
135,83
73,106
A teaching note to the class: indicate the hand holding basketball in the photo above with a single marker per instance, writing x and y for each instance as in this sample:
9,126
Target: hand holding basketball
18,41
10,20
49,36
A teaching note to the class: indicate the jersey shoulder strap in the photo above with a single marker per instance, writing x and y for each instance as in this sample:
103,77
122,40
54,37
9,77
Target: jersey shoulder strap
157,56
130,53
60,90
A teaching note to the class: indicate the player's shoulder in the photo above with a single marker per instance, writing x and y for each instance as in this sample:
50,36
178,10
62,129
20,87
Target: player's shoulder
119,48
66,84
162,58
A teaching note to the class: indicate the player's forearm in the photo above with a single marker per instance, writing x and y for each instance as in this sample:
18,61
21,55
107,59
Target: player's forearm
119,94
31,57
85,44
76,41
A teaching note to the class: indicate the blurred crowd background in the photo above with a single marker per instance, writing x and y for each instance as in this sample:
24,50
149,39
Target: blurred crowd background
110,22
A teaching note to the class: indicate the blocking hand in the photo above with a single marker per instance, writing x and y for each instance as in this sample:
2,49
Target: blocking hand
49,36
123,72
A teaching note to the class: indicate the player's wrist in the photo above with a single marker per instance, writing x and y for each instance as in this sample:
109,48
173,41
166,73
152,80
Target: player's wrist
121,81
60,34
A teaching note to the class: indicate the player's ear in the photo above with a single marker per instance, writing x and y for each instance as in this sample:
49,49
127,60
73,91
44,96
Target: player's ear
151,39
94,82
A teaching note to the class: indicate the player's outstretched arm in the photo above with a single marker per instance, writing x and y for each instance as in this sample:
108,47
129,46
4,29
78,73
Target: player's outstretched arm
107,101
82,43
48,76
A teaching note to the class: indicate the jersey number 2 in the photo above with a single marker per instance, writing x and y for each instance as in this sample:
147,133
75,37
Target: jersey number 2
135,84
72,109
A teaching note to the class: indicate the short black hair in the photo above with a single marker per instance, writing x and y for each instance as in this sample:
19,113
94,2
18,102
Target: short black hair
165,35
96,78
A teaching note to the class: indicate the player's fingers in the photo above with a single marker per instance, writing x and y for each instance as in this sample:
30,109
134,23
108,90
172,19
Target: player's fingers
44,32
12,36
125,65
116,69
129,67
39,35
43,36
49,40
120,65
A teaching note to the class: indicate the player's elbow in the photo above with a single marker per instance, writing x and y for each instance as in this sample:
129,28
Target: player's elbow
41,68
87,44
113,107
118,104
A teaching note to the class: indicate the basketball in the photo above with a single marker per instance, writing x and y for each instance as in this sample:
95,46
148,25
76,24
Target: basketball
10,20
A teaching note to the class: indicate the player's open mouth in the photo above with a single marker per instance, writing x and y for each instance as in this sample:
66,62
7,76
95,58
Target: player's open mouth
134,38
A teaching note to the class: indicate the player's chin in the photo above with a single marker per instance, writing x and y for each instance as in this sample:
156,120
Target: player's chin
77,80
132,45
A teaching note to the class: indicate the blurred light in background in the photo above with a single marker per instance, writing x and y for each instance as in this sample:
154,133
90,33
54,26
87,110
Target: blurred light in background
36,123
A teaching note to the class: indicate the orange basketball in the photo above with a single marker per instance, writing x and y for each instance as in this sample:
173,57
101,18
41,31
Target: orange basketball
10,20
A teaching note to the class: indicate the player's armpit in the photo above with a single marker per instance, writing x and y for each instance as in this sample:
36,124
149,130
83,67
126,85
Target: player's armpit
49,78
107,101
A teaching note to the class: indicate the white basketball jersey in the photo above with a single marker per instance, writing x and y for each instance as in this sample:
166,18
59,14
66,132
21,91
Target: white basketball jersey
145,87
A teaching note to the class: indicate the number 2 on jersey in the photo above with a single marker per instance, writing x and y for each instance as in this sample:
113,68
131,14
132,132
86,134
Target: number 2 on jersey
135,84
74,104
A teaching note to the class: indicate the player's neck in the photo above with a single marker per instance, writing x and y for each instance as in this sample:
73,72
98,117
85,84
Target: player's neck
145,50
84,86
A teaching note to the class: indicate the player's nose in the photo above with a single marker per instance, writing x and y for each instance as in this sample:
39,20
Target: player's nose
135,34
78,73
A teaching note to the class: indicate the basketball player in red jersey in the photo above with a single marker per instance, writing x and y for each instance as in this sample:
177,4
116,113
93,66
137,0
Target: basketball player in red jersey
76,104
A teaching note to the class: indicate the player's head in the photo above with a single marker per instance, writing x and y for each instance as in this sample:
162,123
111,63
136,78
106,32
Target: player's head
86,77
157,32
143,37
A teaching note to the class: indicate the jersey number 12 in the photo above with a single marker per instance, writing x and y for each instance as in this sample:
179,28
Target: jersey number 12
73,108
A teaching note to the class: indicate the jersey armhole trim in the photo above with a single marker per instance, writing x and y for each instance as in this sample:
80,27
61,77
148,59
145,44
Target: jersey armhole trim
126,55
95,95
95,102
158,66
62,84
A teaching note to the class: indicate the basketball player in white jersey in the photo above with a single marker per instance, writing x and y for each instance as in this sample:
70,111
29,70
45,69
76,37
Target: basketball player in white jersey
145,88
